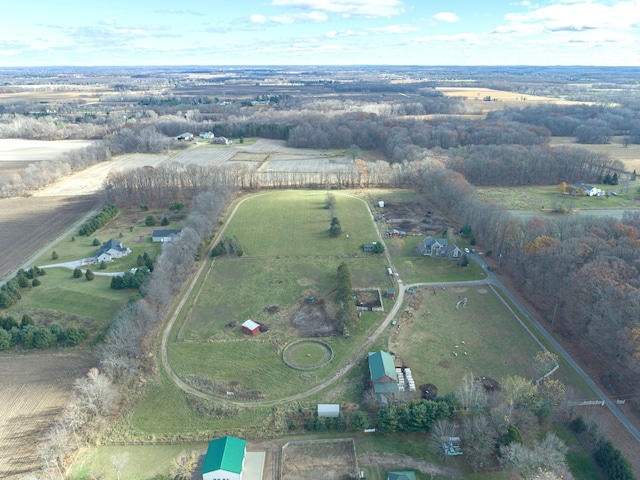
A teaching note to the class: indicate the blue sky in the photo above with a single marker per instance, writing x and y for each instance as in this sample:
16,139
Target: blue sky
320,32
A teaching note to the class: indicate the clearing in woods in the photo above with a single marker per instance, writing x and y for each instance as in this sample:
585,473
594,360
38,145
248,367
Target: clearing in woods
35,388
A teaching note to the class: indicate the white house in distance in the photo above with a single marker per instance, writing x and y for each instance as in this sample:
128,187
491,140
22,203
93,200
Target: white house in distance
111,250
224,459
589,190
164,236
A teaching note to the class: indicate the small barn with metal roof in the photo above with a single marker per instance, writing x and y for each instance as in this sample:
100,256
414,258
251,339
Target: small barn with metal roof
250,327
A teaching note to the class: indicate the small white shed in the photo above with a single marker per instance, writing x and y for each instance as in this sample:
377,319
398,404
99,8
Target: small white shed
328,409
381,204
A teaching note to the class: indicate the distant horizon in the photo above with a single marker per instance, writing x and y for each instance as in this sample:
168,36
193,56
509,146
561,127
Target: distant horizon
145,33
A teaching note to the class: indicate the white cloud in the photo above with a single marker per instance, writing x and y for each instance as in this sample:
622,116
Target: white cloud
108,21
257,18
347,8
448,17
300,17
388,30
581,15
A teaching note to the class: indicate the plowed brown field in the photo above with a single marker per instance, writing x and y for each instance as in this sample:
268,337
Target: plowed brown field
33,391
28,224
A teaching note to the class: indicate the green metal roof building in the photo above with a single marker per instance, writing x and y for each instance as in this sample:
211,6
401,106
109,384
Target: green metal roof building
383,372
224,459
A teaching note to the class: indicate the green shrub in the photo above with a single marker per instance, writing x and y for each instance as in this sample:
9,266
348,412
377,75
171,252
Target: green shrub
150,221
578,425
96,242
35,282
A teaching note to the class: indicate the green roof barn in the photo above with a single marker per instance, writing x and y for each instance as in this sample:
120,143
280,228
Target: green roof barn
224,459
383,372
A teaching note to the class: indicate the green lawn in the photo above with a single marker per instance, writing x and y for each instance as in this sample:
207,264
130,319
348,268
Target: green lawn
414,267
495,343
289,257
61,292
296,223
127,228
145,462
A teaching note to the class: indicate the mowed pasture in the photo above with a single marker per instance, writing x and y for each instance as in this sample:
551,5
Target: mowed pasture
433,341
288,257
28,224
35,388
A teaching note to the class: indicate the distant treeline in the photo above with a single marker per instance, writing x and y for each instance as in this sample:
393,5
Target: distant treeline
588,123
516,165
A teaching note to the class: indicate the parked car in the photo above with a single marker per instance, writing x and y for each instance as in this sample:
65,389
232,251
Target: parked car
466,250
613,193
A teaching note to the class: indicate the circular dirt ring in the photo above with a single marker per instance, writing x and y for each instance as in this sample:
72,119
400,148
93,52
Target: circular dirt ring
307,354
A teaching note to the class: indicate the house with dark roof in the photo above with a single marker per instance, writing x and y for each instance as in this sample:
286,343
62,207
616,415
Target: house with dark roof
111,250
440,247
383,375
165,236
224,459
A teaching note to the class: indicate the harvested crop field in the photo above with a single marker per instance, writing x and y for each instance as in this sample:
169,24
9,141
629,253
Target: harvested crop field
35,387
629,155
89,181
205,155
28,224
326,459
16,154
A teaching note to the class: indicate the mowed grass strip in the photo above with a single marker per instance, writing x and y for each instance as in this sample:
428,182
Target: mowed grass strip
297,223
163,411
60,291
431,343
152,461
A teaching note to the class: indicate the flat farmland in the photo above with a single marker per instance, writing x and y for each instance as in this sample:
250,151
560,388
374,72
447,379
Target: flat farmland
280,146
34,389
206,155
16,154
28,224
305,163
89,181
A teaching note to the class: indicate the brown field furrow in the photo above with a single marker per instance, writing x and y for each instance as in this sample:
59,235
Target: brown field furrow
28,224
34,389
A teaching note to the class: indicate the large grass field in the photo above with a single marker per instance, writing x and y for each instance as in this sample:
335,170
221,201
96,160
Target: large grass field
431,342
288,257
61,292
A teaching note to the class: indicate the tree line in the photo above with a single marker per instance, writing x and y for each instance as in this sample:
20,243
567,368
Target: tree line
581,272
587,123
